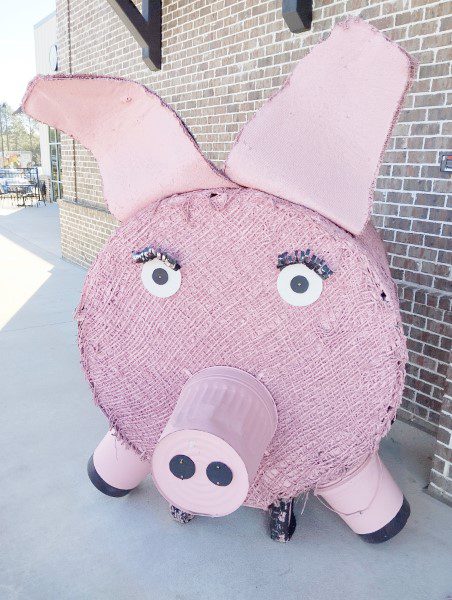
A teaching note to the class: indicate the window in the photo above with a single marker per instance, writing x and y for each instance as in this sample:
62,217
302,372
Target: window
56,186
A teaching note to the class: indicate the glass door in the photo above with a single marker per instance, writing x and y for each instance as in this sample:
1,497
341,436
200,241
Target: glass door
56,186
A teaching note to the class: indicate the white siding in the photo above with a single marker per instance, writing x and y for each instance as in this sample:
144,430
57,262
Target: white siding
45,37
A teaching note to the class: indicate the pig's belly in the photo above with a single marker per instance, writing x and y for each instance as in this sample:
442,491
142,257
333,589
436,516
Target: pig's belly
335,369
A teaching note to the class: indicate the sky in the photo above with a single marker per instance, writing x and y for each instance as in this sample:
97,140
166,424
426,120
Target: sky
17,50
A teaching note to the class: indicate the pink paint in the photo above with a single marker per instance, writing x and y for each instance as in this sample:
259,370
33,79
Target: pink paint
118,465
334,368
366,499
143,150
222,415
319,140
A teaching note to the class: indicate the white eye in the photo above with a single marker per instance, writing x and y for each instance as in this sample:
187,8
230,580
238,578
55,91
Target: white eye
298,285
159,279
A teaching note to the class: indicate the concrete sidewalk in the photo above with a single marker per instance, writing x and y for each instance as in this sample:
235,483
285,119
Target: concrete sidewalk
61,539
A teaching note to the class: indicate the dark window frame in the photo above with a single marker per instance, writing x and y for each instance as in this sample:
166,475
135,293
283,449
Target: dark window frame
56,183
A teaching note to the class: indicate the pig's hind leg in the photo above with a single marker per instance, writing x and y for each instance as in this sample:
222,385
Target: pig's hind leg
282,520
369,501
115,469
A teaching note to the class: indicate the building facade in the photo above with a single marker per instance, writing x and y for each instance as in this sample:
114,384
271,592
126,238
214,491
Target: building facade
46,53
221,60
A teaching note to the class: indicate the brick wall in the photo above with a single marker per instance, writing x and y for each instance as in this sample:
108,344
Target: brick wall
84,229
441,475
426,317
221,60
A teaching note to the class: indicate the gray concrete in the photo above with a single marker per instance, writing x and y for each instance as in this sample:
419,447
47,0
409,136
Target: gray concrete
61,539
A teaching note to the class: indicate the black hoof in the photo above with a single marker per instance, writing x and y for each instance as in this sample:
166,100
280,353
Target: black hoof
180,516
102,485
282,520
392,528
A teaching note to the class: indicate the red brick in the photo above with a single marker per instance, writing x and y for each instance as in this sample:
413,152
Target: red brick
435,41
409,17
433,70
429,100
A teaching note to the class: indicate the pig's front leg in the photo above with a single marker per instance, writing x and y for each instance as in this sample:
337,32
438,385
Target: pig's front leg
181,516
282,520
115,469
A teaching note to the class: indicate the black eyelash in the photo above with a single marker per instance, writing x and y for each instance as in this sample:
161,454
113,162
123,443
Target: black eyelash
149,253
317,264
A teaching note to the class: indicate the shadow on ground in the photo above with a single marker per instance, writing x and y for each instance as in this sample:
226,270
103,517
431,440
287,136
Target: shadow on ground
61,539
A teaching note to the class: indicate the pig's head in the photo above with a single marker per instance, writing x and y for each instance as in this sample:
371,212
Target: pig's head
269,267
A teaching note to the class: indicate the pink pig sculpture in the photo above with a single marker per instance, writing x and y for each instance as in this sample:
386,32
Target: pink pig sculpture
240,330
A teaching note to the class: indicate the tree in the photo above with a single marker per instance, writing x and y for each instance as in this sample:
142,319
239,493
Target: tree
18,132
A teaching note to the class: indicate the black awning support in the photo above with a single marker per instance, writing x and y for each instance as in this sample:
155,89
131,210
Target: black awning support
297,14
145,26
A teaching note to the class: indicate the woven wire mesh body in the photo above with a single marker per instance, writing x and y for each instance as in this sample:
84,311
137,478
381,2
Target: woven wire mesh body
335,368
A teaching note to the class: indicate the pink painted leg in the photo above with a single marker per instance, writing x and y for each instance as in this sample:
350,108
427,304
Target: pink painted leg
369,501
115,469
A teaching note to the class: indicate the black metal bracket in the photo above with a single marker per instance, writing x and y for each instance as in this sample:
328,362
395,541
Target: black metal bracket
145,26
282,520
297,14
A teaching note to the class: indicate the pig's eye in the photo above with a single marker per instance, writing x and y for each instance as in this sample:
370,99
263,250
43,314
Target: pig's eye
298,285
159,279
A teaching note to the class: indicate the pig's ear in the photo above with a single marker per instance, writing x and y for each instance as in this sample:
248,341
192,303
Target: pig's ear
319,141
144,151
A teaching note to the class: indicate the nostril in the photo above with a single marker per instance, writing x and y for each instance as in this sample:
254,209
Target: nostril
182,466
219,473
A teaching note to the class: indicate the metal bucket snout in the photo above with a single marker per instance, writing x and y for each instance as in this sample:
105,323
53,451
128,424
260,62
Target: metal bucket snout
210,450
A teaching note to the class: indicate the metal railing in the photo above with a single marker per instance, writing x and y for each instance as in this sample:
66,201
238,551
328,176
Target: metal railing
22,185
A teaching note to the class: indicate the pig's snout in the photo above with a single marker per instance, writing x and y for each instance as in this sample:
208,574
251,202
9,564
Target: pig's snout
211,448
